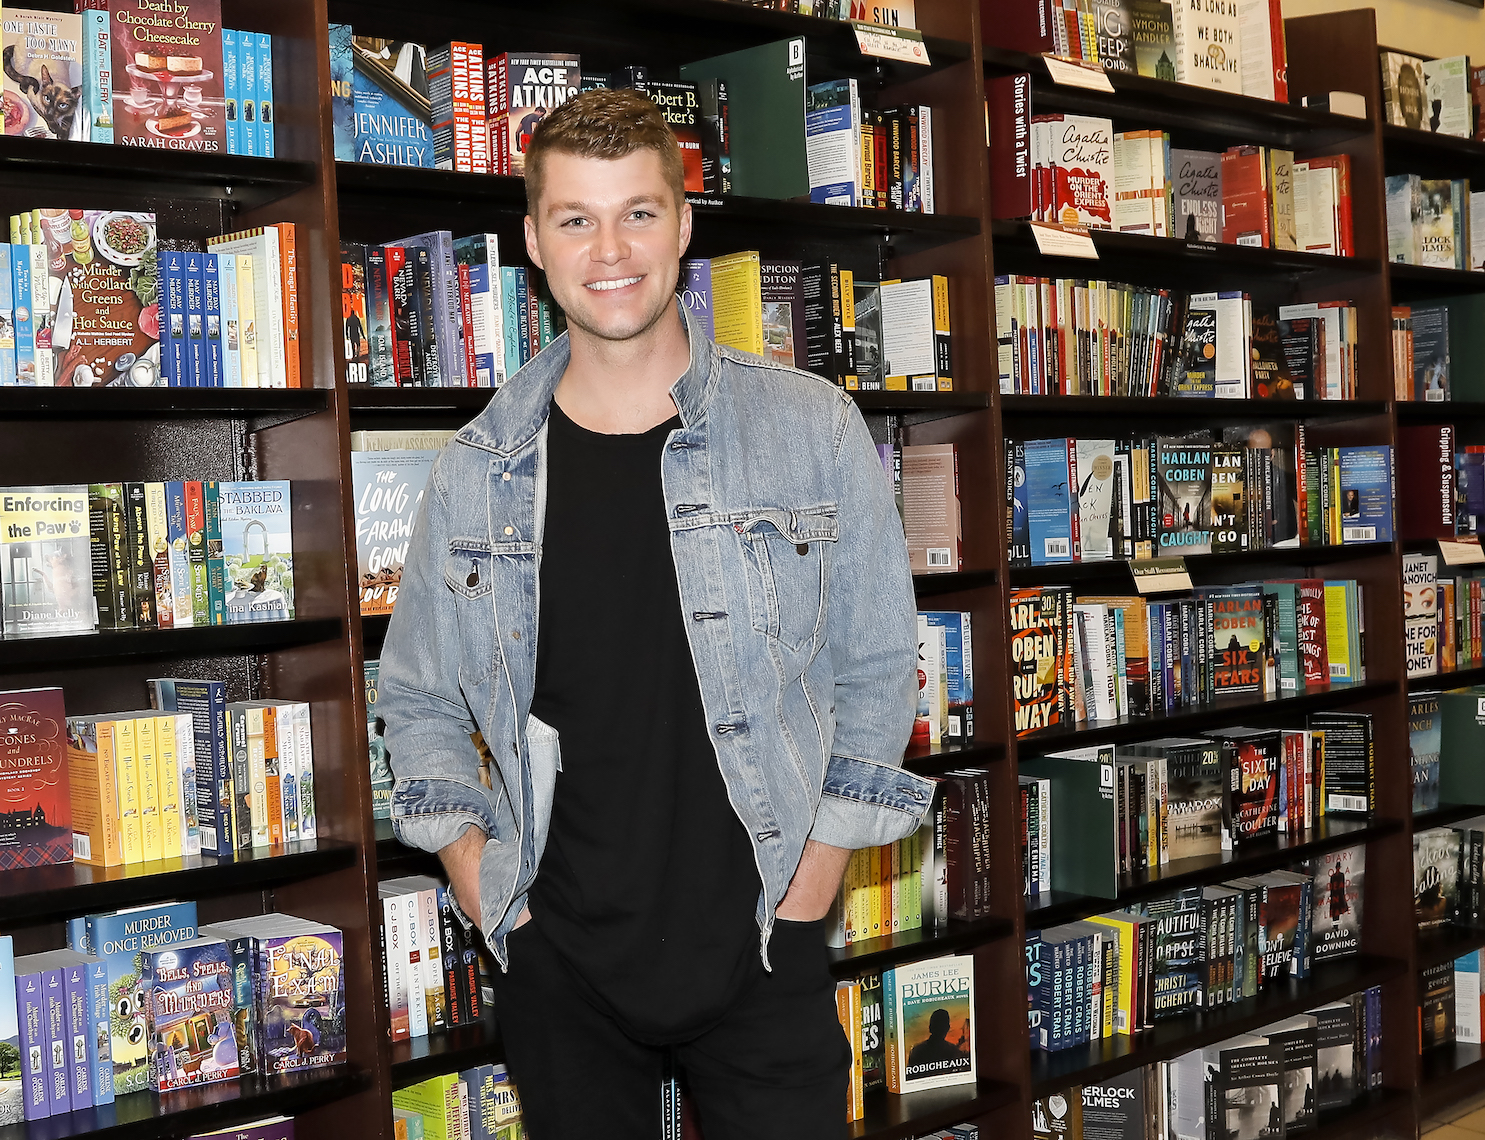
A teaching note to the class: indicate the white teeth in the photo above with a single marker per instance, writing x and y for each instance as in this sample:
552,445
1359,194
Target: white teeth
605,286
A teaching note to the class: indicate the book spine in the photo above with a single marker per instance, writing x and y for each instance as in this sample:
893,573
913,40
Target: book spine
77,995
196,553
212,319
263,49
894,1029
55,1019
451,960
393,961
241,818
247,93
288,262
167,770
31,1025
232,89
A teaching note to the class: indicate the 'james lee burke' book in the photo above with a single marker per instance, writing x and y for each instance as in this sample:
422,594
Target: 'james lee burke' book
930,1024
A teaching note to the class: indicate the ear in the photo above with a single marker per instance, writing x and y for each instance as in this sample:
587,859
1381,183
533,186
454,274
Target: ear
533,251
46,76
685,234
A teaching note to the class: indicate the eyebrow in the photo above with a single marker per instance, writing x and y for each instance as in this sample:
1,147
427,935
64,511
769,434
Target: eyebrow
584,207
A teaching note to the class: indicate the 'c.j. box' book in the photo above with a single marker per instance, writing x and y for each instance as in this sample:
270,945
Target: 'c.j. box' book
35,807
258,550
929,1009
169,93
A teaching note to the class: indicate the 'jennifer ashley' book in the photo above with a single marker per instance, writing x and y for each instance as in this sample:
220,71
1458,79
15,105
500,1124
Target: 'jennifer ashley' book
930,1024
45,561
258,550
35,813
167,75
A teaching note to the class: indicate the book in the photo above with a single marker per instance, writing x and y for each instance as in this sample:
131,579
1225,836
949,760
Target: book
258,551
1184,474
1436,1018
929,1014
1447,96
1336,900
1336,1083
1435,876
1404,91
388,489
1420,614
1038,630
36,826
385,117
1425,731
168,89
521,89
1366,494
930,486
303,996
187,990
43,86
45,561
832,124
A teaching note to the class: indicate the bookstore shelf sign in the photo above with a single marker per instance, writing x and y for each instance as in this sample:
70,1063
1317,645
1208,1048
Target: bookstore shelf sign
1072,73
1464,551
1160,575
1055,240
902,44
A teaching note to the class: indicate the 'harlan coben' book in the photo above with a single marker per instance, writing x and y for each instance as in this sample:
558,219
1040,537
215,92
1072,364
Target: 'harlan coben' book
258,550
929,1010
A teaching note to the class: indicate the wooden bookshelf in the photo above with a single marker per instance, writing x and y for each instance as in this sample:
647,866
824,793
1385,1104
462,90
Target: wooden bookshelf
72,436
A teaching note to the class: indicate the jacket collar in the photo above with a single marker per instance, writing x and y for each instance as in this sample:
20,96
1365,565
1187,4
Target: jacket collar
516,413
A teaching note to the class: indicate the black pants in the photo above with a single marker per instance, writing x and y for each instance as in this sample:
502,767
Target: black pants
776,1065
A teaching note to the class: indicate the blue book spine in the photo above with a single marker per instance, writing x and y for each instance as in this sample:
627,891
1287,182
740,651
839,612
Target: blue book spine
523,311
100,1059
196,319
30,1000
97,76
231,89
211,310
58,1041
7,319
264,52
342,93
172,294
25,325
1036,986
247,92
206,702
1366,494
510,316
77,935
243,955
76,981
1048,504
11,1092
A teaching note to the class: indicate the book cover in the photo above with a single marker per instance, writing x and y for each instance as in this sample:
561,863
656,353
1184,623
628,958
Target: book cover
1336,896
1184,474
381,769
1229,498
680,104
1434,224
45,561
392,121
35,807
12,1096
167,75
832,124
1194,796
1208,37
1366,494
1196,194
1436,1017
782,299
1295,1037
1152,27
1238,642
1252,759
930,487
1245,197
188,991
522,90
930,1024
303,991
1336,1085
1082,153
1420,614
388,488
1050,501
1425,731
1435,876
1179,953
1446,84
258,551
1038,623
1247,1089
1273,377
43,88
1404,91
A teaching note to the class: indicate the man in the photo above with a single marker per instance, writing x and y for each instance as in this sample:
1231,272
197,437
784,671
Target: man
686,566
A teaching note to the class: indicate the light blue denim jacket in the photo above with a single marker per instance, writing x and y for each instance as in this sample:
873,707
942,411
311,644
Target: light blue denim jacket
798,604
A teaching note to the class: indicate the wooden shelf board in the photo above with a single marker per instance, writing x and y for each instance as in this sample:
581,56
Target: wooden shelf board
275,404
1406,151
1331,834
1365,1114
1069,572
47,165
1181,408
1445,814
1228,710
1143,250
39,894
149,1116
1441,412
915,945
1181,107
1452,679
891,1117
929,759
1445,944
260,637
1419,282
1085,1064
449,1051
931,585
364,187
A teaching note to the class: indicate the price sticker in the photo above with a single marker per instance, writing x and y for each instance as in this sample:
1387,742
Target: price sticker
902,44
1462,551
1160,575
1075,73
1055,240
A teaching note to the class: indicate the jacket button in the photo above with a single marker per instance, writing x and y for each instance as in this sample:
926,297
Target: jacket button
510,530
506,477
516,633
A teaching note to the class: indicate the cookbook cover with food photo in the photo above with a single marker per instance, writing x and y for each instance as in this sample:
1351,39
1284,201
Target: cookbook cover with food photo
106,324
167,75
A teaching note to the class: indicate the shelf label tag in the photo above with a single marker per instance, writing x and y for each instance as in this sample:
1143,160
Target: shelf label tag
902,44
1055,240
1075,73
1462,551
1160,575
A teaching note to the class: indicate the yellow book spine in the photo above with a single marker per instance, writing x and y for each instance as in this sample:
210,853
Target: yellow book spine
257,777
1338,634
894,888
273,770
167,763
737,302
860,906
149,787
1123,934
247,325
96,836
127,769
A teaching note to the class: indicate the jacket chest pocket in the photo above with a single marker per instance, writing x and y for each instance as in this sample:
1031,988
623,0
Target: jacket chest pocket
468,572
787,554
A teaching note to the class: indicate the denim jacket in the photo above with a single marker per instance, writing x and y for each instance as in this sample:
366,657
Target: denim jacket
798,604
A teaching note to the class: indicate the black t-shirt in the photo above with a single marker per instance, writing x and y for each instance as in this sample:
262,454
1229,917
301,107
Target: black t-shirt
648,885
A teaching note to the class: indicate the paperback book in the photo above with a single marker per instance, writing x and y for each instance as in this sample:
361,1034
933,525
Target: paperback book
258,551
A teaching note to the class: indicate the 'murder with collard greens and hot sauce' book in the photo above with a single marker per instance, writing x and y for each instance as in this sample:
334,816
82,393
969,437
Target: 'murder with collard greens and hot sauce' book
929,1011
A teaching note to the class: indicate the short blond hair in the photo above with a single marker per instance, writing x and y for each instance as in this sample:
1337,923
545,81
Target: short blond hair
606,124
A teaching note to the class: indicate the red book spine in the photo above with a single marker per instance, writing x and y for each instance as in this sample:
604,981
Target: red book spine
466,309
498,95
1280,51
1024,26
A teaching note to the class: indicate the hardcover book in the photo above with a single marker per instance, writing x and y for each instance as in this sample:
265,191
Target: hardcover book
43,88
258,551
1082,153
1252,759
1196,194
1366,494
1184,473
1247,1089
1336,1084
522,89
388,487
1436,1002
45,561
35,808
1420,614
1038,622
1435,876
1336,896
1238,646
930,1019
187,990
11,1092
1425,731
167,75
1404,91
1179,962
381,769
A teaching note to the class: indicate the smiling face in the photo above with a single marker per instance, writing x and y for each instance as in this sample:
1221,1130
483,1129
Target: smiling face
610,234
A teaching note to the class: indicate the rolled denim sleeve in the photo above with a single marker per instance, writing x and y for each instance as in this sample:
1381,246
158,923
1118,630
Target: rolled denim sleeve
872,626
438,792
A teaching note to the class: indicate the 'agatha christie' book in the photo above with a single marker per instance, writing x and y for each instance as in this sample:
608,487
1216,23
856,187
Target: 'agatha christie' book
258,551
930,1016
1336,896
35,809
187,992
